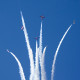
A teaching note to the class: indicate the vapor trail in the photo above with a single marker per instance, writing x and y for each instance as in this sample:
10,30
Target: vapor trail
53,66
37,77
20,66
43,73
29,49
40,44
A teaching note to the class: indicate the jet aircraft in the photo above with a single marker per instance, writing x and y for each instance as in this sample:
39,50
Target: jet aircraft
42,17
7,50
36,38
73,21
22,28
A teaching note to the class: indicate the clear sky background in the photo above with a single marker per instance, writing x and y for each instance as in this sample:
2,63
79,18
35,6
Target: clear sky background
59,15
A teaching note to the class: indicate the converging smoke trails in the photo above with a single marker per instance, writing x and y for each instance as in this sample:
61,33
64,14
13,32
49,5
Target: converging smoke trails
37,77
43,73
29,49
53,66
20,67
40,44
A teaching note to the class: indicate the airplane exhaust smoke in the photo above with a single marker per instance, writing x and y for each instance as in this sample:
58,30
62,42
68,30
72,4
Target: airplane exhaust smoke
20,66
37,70
37,77
53,66
29,49
40,44
43,73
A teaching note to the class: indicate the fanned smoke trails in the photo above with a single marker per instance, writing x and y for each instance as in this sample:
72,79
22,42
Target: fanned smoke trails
53,66
43,73
34,69
37,77
20,67
29,49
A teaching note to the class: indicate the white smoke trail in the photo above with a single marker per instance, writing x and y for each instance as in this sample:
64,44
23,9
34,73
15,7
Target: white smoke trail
43,73
20,66
53,66
37,77
29,50
40,44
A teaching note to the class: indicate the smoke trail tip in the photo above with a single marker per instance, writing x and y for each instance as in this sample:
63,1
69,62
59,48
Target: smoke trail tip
44,50
46,46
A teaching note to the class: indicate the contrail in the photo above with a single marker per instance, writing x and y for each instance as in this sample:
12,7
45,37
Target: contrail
20,66
40,44
37,77
43,73
29,50
53,66
41,56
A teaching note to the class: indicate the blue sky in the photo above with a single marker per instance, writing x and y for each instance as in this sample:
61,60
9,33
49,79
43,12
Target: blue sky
59,15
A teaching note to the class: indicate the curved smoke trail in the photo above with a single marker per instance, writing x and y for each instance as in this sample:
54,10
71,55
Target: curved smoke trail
29,49
37,77
43,73
40,44
53,66
20,66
